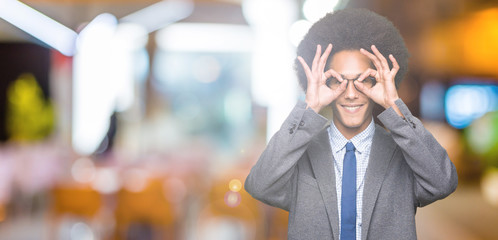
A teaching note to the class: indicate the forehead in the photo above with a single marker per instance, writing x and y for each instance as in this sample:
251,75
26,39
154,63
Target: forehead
349,62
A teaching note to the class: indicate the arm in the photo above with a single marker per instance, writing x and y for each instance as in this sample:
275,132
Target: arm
434,173
272,179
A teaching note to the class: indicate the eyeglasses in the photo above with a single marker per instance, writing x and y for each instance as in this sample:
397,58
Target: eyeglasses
334,83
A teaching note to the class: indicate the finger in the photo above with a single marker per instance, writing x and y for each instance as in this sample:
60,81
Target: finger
366,73
343,86
373,58
363,89
316,58
395,65
324,57
381,57
306,68
331,73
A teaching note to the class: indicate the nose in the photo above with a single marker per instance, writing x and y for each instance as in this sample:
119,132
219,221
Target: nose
351,92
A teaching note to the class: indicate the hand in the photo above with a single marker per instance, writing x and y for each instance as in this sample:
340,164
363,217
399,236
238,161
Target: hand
384,92
318,94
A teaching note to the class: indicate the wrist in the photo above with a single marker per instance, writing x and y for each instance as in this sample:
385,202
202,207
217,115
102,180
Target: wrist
315,107
390,103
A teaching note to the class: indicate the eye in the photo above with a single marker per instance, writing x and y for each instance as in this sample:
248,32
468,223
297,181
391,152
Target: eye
370,80
332,81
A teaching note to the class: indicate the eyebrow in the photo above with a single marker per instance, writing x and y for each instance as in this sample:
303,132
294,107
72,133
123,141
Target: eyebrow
355,78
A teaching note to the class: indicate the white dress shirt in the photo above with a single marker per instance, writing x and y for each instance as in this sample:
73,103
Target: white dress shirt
362,143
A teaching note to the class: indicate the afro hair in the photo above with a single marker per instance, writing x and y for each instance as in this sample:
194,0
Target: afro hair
352,29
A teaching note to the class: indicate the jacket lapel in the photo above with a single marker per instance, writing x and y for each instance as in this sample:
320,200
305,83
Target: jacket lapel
322,163
381,154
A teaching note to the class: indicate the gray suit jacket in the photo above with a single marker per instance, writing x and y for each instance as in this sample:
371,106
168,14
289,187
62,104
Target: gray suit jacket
407,169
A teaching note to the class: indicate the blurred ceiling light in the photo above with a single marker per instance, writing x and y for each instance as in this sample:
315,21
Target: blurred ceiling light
298,30
269,14
273,83
39,26
94,88
313,10
160,14
205,37
102,27
129,45
131,36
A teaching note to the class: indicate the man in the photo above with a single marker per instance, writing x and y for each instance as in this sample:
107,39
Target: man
352,179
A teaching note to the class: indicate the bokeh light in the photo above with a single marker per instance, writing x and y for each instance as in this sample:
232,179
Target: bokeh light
83,170
465,103
232,199
135,180
235,185
81,231
489,186
106,181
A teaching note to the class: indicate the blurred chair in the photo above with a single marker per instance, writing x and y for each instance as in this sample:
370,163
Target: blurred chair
3,212
144,213
78,200
73,203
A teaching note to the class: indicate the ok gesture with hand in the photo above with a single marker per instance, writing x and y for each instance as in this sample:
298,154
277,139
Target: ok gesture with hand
384,92
318,94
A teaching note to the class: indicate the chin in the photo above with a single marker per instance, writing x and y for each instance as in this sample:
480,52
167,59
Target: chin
352,120
353,125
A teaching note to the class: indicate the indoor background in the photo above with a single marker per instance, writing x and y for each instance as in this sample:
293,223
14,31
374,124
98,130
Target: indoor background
140,119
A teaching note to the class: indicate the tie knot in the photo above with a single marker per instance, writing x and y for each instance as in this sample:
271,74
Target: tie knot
349,147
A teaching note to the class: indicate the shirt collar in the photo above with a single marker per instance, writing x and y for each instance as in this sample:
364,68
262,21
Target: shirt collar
360,141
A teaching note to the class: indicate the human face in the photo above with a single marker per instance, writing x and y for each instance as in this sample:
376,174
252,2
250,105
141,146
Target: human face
352,110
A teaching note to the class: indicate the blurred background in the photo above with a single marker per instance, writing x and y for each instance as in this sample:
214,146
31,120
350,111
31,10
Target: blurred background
140,119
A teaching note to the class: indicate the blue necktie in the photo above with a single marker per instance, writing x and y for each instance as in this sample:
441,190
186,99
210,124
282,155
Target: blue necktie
348,197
